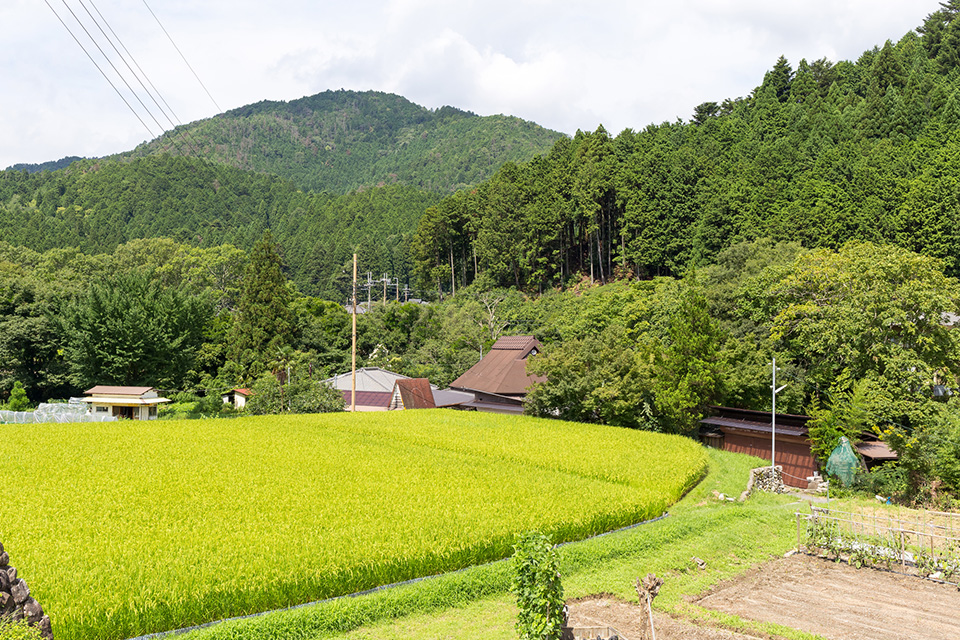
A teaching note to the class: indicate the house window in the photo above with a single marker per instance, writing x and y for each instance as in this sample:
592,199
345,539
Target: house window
152,411
102,409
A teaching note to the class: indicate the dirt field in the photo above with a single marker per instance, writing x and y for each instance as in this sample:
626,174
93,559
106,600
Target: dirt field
806,593
602,611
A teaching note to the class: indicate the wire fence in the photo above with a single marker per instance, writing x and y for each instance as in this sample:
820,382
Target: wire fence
925,543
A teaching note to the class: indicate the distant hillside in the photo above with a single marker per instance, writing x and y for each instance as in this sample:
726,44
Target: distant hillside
53,165
96,205
339,141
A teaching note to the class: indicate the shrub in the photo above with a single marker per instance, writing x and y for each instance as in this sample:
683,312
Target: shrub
18,631
538,588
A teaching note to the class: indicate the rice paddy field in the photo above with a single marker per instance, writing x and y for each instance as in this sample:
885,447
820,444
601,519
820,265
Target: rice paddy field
128,528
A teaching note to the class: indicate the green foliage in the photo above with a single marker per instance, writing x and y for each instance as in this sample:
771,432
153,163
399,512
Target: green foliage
18,400
130,330
186,406
339,141
537,586
264,322
686,372
19,630
820,155
298,394
851,414
329,493
592,379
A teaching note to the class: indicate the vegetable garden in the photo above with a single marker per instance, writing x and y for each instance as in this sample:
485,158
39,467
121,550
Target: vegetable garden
134,527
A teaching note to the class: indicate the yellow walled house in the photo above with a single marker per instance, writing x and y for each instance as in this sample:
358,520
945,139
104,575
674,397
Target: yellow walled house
131,403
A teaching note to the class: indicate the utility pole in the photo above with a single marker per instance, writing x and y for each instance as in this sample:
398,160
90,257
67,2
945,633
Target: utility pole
353,350
773,416
384,280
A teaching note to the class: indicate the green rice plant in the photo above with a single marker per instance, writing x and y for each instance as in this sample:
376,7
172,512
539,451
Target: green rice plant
136,527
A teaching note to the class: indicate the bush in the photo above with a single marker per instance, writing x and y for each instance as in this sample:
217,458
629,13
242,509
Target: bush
538,588
889,480
18,631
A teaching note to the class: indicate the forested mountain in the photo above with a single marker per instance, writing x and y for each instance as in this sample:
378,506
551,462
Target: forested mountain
94,206
53,165
339,141
819,154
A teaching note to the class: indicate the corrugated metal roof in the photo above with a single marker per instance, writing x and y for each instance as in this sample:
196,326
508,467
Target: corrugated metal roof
368,379
876,451
416,393
451,398
379,399
514,343
107,390
750,425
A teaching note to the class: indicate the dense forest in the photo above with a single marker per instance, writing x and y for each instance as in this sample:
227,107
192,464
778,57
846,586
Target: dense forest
339,141
818,154
96,206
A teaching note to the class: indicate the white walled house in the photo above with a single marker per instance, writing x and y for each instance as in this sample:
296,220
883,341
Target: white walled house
131,403
237,397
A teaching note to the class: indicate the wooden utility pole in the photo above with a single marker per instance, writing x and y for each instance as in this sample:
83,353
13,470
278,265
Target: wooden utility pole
353,351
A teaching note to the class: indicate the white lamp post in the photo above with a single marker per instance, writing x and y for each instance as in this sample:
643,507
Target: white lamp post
773,417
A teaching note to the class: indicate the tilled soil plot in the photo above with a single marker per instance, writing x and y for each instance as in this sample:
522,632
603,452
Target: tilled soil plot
607,611
840,602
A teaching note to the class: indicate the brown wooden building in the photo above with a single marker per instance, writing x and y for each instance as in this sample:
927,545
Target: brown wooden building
499,382
751,432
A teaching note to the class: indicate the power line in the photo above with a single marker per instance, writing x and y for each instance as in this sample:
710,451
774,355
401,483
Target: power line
97,65
138,74
219,110
128,58
113,66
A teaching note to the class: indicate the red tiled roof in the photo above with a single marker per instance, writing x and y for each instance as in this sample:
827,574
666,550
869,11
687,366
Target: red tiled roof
504,369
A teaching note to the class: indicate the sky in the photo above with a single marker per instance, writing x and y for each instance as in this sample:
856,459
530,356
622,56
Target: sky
564,64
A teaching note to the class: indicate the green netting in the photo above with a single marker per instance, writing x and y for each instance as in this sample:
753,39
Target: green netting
843,463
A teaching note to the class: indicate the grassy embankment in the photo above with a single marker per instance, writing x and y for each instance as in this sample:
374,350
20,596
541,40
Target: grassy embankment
476,604
134,527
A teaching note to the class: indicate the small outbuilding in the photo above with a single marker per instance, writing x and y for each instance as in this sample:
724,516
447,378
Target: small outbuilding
130,403
237,397
412,393
751,432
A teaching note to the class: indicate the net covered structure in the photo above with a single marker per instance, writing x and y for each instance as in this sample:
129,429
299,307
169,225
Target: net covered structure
72,411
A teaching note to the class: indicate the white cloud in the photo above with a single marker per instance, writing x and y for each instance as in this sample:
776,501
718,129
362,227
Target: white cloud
563,64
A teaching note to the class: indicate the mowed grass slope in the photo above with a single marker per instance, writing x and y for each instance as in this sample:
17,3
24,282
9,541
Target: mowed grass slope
128,528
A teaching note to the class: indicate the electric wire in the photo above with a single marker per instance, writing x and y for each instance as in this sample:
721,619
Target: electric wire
99,68
125,58
113,66
219,110
128,59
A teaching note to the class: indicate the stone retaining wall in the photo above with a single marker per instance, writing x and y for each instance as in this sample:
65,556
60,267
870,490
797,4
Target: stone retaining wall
15,601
